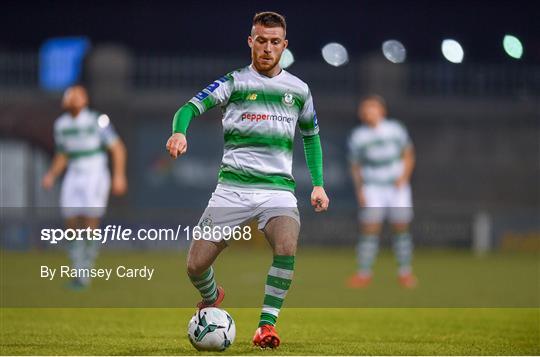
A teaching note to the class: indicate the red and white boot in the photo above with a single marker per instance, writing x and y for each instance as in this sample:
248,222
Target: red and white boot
266,337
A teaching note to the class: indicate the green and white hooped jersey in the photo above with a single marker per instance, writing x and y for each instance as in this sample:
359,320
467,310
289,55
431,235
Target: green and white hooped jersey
259,120
84,139
379,151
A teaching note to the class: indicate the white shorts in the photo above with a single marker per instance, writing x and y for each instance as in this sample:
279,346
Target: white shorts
232,207
85,193
394,203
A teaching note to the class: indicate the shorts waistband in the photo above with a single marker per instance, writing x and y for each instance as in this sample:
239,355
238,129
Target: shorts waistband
227,187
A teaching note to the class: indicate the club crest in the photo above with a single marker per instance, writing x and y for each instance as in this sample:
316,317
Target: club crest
288,99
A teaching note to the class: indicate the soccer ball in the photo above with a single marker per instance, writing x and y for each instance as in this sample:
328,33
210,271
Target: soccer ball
211,329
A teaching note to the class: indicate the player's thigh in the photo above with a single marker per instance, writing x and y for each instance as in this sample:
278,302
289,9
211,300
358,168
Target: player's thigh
372,215
202,254
226,211
401,211
96,193
282,234
71,199
67,190
279,219
275,203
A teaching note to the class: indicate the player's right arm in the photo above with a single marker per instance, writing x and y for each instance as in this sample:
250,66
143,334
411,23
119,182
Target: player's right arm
217,93
59,161
356,175
58,166
177,143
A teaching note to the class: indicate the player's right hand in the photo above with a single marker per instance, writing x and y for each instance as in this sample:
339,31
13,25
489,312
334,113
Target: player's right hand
177,145
48,181
360,198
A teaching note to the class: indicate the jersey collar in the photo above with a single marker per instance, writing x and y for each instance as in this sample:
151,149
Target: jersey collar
80,115
265,77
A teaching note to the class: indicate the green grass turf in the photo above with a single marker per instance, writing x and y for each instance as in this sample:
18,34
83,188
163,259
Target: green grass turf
375,331
464,305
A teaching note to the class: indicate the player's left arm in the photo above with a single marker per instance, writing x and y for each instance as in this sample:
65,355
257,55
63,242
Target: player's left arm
118,152
409,160
119,157
313,151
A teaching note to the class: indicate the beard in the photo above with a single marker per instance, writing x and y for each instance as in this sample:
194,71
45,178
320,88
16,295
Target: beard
265,65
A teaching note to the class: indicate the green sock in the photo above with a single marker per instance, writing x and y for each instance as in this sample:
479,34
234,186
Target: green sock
206,284
278,282
368,247
403,248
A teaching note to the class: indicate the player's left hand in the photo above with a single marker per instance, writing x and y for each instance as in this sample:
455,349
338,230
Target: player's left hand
401,181
48,181
319,199
119,185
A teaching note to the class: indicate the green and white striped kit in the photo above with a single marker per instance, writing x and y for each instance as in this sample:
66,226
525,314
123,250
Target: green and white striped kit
260,115
379,151
277,285
206,284
84,139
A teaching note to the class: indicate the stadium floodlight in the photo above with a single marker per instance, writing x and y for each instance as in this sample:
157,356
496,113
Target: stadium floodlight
287,59
452,51
335,54
103,121
394,51
512,46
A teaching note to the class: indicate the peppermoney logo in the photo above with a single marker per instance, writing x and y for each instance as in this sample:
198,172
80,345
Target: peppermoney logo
257,117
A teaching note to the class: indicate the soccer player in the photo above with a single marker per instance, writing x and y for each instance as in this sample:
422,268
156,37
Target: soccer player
382,160
81,137
261,104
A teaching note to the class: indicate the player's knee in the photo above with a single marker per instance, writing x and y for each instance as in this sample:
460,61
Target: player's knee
287,247
370,228
195,268
400,228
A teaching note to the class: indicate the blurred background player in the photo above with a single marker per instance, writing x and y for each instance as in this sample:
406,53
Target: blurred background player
382,160
81,137
262,104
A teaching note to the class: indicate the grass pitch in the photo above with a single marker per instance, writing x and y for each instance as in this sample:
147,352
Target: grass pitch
463,306
376,331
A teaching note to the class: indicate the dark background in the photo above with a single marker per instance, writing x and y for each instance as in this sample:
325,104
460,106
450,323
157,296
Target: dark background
475,125
219,27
